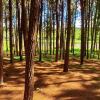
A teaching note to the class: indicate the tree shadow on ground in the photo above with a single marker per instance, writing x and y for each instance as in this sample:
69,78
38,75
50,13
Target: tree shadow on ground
88,77
48,75
14,73
13,81
76,94
11,94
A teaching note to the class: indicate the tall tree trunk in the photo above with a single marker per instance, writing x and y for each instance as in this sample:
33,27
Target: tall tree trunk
53,16
40,30
82,33
20,30
50,31
6,29
24,24
1,42
88,28
66,61
16,34
29,70
10,31
57,30
62,33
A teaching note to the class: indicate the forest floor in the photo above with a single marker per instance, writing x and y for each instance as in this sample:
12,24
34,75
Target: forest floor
51,83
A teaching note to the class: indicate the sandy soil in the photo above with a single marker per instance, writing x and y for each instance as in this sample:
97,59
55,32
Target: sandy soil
80,83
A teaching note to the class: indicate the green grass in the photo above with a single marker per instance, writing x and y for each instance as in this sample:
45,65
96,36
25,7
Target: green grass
44,41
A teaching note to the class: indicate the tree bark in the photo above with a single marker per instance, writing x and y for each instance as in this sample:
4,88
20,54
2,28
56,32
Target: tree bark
24,24
1,42
10,31
57,29
66,60
29,71
82,33
40,31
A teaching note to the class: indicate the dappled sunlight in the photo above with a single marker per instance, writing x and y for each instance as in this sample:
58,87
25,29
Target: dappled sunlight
51,83
80,83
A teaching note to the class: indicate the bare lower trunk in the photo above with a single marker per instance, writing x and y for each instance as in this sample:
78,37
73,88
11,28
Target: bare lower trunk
1,43
10,31
29,71
66,60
